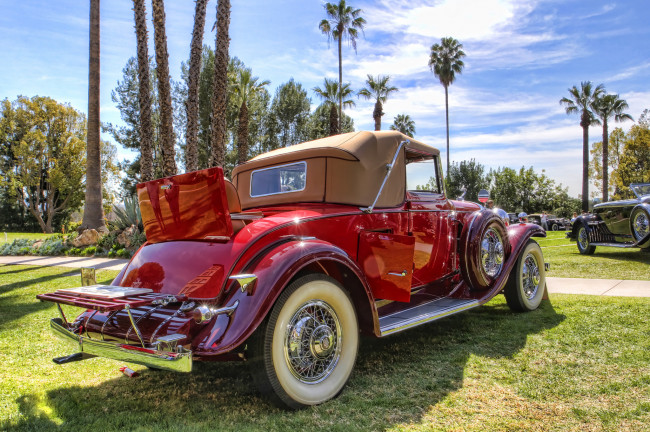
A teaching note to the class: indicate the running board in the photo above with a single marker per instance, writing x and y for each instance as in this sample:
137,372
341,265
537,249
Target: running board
422,314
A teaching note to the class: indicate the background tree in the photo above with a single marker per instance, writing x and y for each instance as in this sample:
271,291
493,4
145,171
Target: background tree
378,89
581,102
245,88
634,161
330,95
144,93
288,119
164,89
606,107
445,62
47,143
404,124
466,175
93,212
525,190
220,84
320,122
194,73
342,22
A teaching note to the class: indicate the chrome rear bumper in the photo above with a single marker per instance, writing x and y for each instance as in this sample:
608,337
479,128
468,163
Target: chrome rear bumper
172,361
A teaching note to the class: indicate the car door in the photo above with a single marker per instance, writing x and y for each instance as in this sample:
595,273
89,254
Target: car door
430,221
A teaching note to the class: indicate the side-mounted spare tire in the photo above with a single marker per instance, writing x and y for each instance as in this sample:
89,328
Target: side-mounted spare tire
640,222
484,248
527,281
304,351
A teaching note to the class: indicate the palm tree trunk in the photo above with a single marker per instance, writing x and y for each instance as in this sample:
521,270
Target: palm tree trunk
144,92
220,86
164,89
340,81
334,121
376,114
242,134
192,104
605,162
447,122
585,168
93,212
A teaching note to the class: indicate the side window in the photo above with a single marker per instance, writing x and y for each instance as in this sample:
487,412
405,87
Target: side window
279,179
423,174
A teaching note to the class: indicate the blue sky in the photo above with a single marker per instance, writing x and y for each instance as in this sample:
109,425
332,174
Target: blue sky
522,56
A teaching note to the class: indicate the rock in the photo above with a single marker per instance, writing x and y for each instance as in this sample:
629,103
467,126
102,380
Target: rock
125,236
87,237
38,244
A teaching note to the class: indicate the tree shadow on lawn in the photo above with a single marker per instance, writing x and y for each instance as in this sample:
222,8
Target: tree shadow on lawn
11,306
396,380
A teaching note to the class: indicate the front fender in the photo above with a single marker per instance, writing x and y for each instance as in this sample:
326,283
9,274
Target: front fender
275,268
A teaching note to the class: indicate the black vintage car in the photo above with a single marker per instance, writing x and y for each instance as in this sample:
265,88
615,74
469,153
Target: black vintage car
623,223
553,223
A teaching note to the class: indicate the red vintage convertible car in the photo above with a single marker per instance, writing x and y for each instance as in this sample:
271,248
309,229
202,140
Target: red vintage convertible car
286,265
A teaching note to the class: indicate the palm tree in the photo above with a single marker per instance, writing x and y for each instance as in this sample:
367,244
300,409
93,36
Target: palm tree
192,104
606,107
404,124
445,62
144,92
342,22
220,86
379,90
582,102
164,89
331,96
245,88
93,211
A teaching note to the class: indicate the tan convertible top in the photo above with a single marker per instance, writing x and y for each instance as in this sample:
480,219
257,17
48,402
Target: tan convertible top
343,169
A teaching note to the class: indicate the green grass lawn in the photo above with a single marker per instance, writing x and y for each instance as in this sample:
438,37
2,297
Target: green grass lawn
11,236
578,363
605,263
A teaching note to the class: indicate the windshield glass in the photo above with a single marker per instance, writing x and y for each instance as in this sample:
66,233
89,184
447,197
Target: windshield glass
640,189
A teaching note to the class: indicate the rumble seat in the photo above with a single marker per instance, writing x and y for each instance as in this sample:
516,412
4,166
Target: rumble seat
238,219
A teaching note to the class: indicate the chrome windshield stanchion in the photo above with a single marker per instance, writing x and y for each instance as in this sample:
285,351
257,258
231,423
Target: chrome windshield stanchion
389,169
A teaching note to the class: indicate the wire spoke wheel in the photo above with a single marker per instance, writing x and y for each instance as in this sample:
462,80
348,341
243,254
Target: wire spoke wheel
313,342
527,281
305,352
492,253
640,224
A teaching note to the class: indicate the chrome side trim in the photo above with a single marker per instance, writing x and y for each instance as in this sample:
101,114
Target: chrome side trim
426,317
389,168
244,216
172,361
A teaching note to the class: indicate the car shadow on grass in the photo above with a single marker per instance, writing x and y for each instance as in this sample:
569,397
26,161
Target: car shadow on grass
396,381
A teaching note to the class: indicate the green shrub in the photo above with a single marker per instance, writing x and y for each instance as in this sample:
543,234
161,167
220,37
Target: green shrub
129,215
73,251
123,253
17,247
111,253
89,251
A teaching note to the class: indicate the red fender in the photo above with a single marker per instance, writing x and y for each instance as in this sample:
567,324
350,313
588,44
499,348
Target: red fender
274,269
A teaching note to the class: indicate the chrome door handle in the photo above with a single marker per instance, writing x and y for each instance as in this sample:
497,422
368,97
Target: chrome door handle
402,274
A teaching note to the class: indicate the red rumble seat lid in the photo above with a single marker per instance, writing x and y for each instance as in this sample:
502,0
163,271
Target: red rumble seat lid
185,206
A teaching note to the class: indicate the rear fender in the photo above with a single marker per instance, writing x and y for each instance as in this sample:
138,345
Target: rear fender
275,268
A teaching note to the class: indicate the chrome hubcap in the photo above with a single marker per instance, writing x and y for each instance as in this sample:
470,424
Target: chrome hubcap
582,238
640,225
530,276
313,342
492,253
